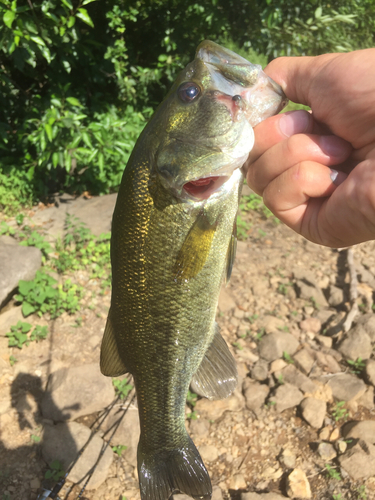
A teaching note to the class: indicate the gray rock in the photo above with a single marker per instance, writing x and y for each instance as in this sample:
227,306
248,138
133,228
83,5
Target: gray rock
356,344
346,387
287,396
336,296
208,452
53,219
271,324
370,370
311,325
226,301
367,321
63,442
255,395
76,391
313,293
314,411
288,458
292,375
262,496
9,318
297,485
200,427
237,482
274,345
213,410
304,360
360,430
358,462
327,451
367,399
17,263
259,371
127,433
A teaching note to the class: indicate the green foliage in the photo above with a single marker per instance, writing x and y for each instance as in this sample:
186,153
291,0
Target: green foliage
35,239
242,228
40,296
122,388
55,471
361,491
357,366
35,438
332,472
119,449
339,412
288,358
6,230
12,360
18,336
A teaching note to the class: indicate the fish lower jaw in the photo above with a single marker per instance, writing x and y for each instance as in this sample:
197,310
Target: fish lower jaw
210,186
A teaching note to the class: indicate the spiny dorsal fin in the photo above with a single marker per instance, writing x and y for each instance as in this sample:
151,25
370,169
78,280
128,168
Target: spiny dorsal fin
216,377
231,253
111,364
195,249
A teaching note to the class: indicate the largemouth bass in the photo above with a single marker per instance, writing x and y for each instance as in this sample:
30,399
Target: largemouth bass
173,244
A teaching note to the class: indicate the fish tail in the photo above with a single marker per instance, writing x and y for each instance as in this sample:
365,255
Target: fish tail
179,470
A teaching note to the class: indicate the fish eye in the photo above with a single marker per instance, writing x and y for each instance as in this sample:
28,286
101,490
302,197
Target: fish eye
188,92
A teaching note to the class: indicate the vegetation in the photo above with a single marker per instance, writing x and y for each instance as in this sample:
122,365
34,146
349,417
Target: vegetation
79,78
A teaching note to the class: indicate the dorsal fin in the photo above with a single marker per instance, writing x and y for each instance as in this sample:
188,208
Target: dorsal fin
111,363
195,249
216,377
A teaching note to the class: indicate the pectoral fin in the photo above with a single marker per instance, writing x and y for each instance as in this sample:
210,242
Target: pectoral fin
195,249
231,254
111,364
216,378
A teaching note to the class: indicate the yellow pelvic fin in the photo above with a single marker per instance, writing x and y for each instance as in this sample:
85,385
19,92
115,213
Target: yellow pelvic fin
111,363
231,254
195,249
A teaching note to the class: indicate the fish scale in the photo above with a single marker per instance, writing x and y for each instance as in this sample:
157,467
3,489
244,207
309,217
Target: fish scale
171,249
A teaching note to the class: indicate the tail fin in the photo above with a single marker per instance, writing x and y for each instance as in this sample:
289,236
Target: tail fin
180,470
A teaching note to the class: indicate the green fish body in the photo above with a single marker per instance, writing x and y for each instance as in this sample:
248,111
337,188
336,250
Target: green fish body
173,244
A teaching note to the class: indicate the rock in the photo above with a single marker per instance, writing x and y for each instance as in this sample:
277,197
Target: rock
304,361
360,430
255,395
327,451
367,399
312,293
127,433
17,263
277,365
10,317
313,411
336,296
324,341
226,301
287,396
271,324
358,462
273,345
217,494
367,321
298,485
292,375
260,371
76,391
213,410
311,325
209,453
199,427
370,370
262,496
63,442
288,458
356,344
53,218
237,482
346,387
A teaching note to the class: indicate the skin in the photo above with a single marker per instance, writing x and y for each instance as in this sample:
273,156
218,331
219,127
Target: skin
296,156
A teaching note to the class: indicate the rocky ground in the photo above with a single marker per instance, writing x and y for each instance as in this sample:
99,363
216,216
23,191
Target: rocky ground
301,423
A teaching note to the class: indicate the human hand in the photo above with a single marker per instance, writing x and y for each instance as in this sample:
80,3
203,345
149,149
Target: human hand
290,164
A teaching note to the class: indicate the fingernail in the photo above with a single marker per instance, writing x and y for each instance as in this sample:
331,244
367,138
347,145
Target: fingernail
332,145
294,122
337,177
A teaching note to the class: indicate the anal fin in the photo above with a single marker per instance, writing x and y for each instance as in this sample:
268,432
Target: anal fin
216,377
111,363
231,253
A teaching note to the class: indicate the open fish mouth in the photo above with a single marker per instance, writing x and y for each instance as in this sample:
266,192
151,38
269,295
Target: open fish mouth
202,189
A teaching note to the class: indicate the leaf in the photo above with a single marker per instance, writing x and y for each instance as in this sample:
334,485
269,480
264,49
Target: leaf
8,18
71,21
318,12
68,3
27,309
37,40
85,2
48,129
74,102
83,14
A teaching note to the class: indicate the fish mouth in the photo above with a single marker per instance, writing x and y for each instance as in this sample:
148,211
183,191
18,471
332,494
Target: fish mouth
203,188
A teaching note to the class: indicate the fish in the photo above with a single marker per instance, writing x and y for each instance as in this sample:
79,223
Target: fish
173,244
